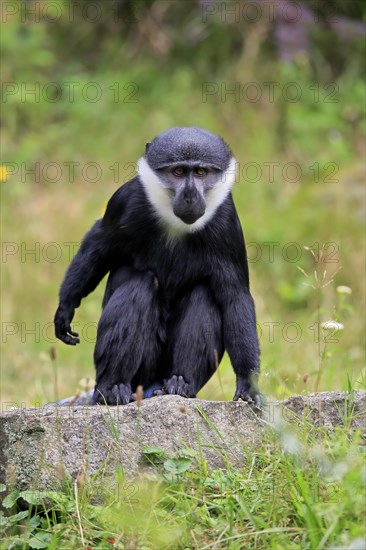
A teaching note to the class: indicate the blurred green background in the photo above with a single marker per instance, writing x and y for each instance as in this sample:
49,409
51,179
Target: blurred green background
86,84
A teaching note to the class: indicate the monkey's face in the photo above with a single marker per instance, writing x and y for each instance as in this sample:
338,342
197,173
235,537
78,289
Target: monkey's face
187,183
187,173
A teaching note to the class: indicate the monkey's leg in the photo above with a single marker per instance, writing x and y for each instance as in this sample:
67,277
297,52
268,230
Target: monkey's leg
129,338
195,343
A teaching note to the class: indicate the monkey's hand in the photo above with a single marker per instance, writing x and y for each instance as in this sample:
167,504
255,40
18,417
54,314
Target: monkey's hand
247,389
63,318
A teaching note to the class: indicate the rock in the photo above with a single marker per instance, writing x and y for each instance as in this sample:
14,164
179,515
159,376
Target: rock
329,409
86,398
37,444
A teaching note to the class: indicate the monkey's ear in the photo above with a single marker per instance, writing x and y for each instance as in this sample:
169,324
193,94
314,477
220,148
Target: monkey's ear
147,146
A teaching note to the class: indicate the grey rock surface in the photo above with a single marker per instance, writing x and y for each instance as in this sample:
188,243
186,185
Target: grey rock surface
329,409
35,444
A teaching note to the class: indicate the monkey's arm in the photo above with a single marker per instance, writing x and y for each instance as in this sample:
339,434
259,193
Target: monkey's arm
85,272
92,262
231,289
241,340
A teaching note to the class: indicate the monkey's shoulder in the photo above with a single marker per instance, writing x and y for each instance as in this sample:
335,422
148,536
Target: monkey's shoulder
128,203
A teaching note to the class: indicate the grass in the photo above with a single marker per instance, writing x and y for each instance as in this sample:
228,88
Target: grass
296,490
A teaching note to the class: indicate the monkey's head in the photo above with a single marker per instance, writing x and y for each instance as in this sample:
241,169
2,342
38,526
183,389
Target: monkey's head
187,173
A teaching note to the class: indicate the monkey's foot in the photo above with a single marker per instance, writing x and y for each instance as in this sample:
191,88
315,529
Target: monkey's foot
247,390
176,385
118,394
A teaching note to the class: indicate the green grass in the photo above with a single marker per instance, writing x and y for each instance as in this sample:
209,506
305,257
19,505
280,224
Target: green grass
300,488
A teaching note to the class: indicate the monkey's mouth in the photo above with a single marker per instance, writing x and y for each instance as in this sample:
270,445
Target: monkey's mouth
188,210
189,217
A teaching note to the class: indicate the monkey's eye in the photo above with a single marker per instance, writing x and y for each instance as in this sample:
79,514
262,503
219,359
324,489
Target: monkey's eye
178,171
200,172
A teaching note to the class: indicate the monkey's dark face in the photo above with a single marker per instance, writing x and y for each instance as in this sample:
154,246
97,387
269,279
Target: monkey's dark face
187,174
187,183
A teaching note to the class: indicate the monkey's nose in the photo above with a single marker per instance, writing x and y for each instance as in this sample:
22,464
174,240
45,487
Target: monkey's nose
190,198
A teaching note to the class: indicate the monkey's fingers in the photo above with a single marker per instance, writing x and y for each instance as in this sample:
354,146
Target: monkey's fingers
71,337
70,340
254,399
66,335
244,396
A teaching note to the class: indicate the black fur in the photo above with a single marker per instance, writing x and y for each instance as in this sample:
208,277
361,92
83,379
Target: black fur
187,144
171,307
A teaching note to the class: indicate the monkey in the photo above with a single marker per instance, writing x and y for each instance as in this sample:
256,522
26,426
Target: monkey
177,294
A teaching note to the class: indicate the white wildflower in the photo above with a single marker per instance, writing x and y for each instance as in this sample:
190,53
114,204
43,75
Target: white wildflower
332,325
342,289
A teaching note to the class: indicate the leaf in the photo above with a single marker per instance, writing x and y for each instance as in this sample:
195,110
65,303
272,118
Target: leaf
170,478
55,496
16,542
2,487
13,520
10,500
33,523
154,455
41,540
33,497
150,450
178,465
59,500
187,453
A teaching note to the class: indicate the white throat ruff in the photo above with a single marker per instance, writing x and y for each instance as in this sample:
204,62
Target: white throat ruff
161,202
